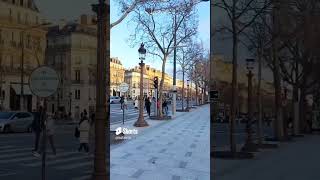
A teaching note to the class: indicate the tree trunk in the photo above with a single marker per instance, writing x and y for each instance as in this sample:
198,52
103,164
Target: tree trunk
234,87
295,104
182,94
277,84
302,114
197,94
161,86
260,131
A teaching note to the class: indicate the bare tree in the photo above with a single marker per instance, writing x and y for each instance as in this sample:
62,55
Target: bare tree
186,59
128,6
240,15
158,29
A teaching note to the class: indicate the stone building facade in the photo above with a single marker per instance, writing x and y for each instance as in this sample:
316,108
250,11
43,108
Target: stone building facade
22,39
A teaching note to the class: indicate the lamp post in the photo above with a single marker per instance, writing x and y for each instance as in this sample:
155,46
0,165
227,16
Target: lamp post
175,28
142,54
188,93
249,146
102,92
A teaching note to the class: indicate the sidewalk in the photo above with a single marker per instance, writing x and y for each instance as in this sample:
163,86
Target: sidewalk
298,160
177,149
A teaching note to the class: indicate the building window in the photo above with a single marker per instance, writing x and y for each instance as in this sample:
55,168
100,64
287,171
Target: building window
77,94
26,19
13,2
11,62
52,108
21,2
19,17
10,14
77,73
29,3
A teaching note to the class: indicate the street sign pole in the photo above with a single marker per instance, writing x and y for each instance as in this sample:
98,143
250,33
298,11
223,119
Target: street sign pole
44,82
43,116
123,89
156,107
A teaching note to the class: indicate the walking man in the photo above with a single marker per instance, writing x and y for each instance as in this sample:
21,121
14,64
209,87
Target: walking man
84,127
36,128
50,131
148,105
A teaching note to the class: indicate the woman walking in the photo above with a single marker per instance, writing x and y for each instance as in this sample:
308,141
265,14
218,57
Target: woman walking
148,105
165,107
50,131
136,103
84,127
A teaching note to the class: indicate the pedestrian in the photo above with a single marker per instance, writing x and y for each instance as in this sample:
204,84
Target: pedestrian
50,126
136,103
125,102
50,131
36,128
84,127
148,105
92,131
165,107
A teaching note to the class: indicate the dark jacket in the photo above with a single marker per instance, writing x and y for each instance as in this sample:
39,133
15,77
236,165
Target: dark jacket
147,103
36,123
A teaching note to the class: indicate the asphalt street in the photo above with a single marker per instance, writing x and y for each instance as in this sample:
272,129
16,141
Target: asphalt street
17,160
116,115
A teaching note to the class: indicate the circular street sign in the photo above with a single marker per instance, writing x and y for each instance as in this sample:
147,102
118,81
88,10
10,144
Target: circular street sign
123,87
44,81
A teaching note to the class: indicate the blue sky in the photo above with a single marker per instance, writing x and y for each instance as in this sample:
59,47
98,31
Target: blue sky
61,9
129,56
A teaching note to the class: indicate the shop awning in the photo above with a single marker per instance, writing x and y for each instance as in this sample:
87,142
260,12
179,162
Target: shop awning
17,89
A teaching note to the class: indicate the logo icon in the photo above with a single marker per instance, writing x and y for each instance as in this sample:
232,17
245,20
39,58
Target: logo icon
118,130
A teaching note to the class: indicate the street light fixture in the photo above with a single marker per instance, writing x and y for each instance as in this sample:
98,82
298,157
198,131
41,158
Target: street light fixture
142,55
249,145
174,85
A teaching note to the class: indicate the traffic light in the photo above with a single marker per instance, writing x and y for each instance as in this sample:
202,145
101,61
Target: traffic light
155,82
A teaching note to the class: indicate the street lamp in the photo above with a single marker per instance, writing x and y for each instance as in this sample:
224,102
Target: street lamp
249,145
174,85
142,55
188,93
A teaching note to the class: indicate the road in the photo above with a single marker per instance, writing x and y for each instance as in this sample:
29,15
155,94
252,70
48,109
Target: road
222,137
16,159
131,113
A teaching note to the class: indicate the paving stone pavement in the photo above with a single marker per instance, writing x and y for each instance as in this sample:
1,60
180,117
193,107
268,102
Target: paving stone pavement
176,150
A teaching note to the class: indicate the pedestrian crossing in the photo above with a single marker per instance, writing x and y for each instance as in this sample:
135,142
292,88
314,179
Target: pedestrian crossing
63,161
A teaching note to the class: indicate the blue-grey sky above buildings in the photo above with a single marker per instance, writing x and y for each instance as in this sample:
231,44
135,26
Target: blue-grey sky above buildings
71,10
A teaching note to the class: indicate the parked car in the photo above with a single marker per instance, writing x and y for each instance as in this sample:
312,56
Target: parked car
114,99
16,122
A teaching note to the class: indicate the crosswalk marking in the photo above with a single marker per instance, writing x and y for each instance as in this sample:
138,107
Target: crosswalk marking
2,156
63,161
15,150
85,177
5,147
75,165
51,158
